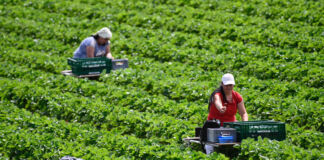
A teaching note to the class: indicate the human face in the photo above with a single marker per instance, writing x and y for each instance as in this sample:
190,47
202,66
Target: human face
102,41
228,88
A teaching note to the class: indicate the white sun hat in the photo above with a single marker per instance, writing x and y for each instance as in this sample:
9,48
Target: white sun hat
228,79
104,33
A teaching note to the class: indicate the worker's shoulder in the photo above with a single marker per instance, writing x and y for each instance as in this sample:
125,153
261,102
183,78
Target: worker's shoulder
237,96
89,39
235,92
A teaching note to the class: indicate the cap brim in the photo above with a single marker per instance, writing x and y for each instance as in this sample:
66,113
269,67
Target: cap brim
229,82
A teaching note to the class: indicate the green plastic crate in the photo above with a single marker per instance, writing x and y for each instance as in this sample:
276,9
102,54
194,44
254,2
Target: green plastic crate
253,129
90,66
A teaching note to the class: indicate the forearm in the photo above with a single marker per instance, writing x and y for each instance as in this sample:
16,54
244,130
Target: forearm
89,55
245,117
242,111
218,104
108,53
90,51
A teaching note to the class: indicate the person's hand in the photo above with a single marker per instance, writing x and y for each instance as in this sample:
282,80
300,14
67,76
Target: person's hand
221,109
110,56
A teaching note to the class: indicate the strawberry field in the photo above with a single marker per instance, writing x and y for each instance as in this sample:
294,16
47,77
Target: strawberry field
178,52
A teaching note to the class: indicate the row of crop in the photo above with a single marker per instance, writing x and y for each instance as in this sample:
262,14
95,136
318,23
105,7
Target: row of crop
184,82
258,68
301,11
94,110
29,136
50,47
261,10
159,79
26,135
268,149
265,34
35,60
305,138
261,33
90,10
143,103
147,11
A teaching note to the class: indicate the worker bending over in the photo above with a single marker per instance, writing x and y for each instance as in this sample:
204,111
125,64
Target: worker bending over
97,45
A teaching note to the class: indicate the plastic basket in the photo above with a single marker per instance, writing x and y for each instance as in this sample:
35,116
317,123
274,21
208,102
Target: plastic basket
89,66
253,129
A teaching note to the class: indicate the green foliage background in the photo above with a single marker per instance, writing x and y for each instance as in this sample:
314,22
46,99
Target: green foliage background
178,51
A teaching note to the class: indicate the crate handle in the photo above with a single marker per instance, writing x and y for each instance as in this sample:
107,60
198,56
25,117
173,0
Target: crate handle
71,59
225,133
120,63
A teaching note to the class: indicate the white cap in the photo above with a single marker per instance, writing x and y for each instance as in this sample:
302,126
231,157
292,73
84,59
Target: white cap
228,79
104,33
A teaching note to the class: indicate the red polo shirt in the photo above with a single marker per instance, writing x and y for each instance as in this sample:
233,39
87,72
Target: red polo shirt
231,109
